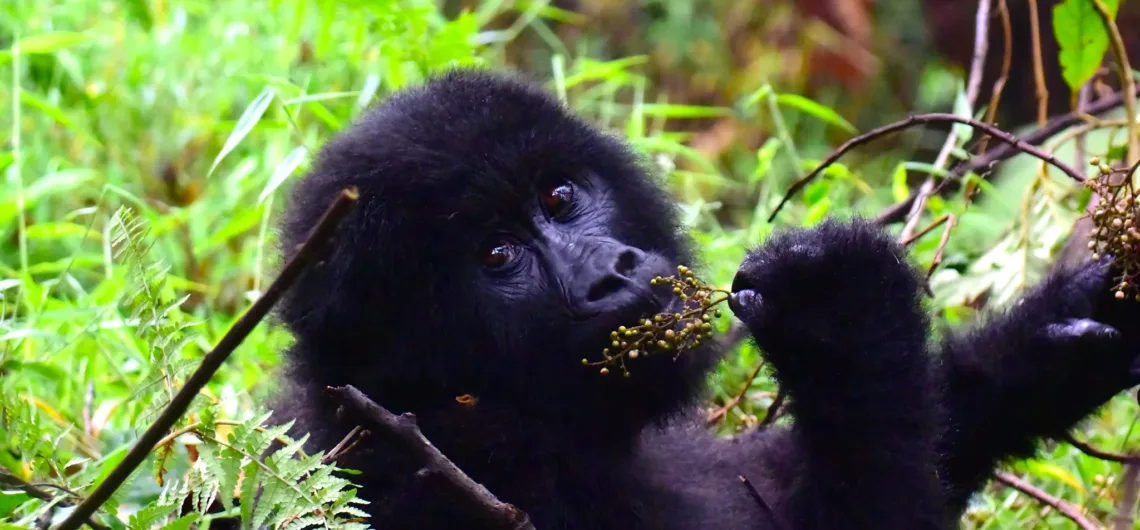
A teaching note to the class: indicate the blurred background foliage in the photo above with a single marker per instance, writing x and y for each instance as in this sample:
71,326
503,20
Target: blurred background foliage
196,115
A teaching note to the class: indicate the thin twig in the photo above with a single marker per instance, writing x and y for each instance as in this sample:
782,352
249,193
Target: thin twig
973,86
756,496
1128,84
923,119
897,212
1101,454
1066,508
774,409
12,481
1125,517
403,428
922,233
1042,91
346,444
951,221
721,412
210,364
1003,78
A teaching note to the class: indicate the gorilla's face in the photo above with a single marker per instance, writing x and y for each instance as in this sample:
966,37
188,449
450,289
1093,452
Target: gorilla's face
567,257
497,242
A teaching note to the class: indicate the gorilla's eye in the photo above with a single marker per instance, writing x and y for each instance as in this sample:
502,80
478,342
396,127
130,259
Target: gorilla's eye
557,198
499,253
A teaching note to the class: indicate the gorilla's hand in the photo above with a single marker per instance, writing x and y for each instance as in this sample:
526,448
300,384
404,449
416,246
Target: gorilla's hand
1074,312
829,291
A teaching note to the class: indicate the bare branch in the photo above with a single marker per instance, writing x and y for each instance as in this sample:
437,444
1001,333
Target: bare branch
1042,91
897,213
1101,454
923,119
12,481
403,428
1125,517
307,254
756,496
1126,80
973,86
774,409
1068,509
721,412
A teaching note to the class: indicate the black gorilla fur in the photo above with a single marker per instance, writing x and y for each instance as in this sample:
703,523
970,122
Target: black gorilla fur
888,432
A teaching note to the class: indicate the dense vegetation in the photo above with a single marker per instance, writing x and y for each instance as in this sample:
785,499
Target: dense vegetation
147,146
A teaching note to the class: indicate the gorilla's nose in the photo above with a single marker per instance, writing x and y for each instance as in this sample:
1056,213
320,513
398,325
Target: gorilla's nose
615,276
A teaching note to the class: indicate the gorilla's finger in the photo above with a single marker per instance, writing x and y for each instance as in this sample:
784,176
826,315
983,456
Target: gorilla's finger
747,305
1080,329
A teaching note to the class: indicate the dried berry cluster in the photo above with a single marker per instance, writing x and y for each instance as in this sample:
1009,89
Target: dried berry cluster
1116,220
667,332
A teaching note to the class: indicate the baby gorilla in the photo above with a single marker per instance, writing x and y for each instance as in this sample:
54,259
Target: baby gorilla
499,239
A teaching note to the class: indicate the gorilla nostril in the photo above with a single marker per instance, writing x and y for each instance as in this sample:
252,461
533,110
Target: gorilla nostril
605,287
626,263
740,282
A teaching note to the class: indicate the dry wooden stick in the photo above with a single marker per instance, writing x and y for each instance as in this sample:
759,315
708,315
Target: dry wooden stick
897,212
1101,454
9,480
756,496
403,428
1062,506
774,409
922,233
1125,517
178,405
721,412
973,86
1126,80
923,119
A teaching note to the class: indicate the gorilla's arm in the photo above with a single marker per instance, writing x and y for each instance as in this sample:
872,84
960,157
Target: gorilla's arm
1033,371
836,310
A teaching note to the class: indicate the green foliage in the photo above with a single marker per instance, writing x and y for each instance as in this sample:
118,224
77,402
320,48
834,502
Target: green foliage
1082,38
146,146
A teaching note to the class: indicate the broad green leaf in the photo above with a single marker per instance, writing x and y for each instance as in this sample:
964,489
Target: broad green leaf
808,106
1082,38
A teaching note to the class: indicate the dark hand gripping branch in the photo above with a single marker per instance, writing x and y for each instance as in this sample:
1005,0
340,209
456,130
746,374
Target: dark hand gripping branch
1033,371
836,309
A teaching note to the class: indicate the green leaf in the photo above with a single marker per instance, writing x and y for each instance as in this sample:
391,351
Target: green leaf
1082,38
282,172
243,221
245,124
817,212
808,106
764,157
665,110
45,43
899,190
184,522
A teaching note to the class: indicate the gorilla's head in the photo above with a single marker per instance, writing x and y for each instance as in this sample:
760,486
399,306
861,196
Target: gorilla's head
498,240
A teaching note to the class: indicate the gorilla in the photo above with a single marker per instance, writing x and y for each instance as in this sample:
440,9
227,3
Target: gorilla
499,239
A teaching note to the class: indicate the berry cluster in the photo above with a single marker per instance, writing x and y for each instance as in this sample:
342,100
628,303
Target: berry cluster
1116,232
667,332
